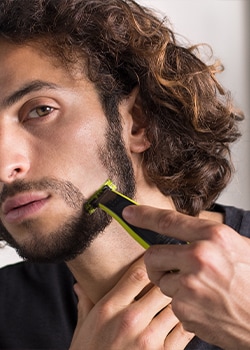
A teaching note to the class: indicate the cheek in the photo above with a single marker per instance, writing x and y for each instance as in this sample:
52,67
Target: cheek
83,145
73,154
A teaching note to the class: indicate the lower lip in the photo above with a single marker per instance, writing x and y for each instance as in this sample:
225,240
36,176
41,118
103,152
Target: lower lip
25,211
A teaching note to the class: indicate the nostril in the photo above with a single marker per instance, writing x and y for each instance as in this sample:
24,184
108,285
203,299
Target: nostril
13,173
13,167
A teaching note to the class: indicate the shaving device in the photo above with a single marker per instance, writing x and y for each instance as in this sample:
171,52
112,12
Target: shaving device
113,202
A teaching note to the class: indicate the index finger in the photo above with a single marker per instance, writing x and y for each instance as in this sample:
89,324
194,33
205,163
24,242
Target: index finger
168,222
130,285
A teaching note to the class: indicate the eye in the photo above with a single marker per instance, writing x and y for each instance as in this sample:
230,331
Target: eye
40,111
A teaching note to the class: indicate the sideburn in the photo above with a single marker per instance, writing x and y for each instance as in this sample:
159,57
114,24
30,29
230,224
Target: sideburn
114,156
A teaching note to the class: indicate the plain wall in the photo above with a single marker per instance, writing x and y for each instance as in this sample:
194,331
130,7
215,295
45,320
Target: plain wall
224,24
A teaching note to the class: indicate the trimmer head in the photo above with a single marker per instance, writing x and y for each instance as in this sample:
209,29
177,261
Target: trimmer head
113,203
93,202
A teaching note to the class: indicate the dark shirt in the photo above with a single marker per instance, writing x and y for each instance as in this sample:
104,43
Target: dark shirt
38,307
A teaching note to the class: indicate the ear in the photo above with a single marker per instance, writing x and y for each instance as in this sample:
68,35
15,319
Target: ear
135,122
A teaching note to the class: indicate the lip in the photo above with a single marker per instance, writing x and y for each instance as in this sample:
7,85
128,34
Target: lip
17,208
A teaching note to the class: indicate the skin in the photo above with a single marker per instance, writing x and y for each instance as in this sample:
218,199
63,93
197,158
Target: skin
130,322
34,146
209,291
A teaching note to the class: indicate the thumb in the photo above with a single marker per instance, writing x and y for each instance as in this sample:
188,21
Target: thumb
84,303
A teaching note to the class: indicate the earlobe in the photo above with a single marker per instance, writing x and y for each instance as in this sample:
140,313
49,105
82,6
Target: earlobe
138,139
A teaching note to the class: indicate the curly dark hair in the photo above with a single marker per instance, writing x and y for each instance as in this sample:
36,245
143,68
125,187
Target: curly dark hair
190,119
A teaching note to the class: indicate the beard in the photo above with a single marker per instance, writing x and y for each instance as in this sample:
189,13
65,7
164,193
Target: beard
77,233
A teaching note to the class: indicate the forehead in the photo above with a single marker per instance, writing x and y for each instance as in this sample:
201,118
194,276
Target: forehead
23,63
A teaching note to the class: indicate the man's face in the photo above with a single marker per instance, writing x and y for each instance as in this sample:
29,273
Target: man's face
56,149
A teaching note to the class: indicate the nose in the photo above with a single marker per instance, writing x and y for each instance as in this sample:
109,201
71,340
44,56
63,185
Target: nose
14,161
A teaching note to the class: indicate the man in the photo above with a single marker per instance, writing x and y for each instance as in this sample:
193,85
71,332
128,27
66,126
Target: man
94,90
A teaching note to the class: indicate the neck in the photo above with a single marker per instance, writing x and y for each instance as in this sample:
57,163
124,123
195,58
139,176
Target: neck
101,266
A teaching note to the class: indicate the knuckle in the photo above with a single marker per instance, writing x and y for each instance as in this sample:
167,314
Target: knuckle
202,255
222,237
138,274
129,320
199,253
189,282
105,310
217,232
144,341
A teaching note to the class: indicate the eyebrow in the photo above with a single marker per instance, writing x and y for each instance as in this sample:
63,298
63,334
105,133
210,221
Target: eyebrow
26,89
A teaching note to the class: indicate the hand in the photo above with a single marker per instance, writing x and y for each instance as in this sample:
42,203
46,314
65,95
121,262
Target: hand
123,320
210,291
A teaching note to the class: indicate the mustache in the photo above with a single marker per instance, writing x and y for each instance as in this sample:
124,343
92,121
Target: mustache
69,192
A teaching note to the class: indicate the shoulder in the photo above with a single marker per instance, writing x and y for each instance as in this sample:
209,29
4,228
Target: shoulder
38,306
34,271
35,280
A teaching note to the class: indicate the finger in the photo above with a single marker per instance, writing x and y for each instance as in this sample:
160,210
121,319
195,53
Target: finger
178,338
154,301
164,321
160,326
84,303
130,285
169,284
168,222
162,259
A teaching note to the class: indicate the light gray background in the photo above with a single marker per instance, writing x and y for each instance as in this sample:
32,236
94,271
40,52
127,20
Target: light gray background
223,24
